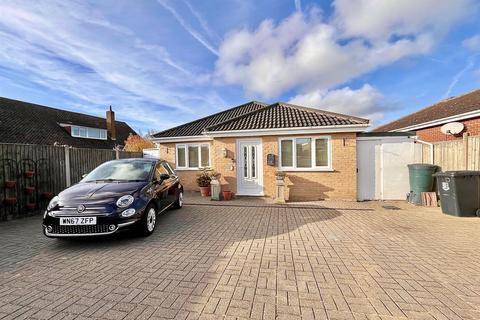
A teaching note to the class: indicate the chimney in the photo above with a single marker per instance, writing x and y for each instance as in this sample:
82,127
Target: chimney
111,124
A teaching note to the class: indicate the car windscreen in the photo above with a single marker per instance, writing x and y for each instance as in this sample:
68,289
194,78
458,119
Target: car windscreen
121,171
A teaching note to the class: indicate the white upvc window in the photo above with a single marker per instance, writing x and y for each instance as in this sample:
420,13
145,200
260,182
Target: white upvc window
192,156
89,133
310,153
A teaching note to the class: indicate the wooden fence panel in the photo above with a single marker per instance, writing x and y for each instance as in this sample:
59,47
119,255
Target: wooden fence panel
449,155
83,161
48,163
126,155
474,153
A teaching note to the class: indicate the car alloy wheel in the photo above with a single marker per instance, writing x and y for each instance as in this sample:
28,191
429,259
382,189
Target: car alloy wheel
151,219
179,203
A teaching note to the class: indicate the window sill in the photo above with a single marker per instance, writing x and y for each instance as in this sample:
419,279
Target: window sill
306,169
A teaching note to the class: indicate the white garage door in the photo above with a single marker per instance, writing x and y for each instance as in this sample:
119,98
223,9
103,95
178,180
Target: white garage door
382,167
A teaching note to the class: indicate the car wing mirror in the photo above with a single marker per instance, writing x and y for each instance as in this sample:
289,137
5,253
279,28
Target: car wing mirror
84,175
164,176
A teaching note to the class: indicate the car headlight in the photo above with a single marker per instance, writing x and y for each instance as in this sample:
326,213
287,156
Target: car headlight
128,213
53,203
125,201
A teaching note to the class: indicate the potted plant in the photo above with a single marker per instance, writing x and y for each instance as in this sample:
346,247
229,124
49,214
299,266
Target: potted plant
10,184
227,195
30,206
46,195
29,173
29,190
10,201
203,181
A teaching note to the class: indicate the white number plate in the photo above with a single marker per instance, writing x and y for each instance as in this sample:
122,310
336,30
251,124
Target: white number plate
78,221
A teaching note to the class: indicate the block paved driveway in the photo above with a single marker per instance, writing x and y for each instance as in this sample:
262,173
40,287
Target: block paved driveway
248,260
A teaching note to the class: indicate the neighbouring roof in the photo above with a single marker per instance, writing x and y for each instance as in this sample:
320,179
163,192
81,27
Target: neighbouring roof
257,116
446,108
28,123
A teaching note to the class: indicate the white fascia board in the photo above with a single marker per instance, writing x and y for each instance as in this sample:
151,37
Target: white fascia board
182,139
288,131
386,138
433,123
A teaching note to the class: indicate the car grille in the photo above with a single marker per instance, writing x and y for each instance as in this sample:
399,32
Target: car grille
97,211
89,229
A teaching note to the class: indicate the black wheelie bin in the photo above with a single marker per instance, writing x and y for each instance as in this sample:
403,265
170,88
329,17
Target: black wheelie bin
459,192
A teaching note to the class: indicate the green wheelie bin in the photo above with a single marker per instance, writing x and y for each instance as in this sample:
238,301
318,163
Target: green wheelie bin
459,192
421,180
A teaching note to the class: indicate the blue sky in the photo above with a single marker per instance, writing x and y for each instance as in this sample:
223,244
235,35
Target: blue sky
160,63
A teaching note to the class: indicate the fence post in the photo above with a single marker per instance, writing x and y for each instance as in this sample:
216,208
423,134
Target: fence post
465,149
68,180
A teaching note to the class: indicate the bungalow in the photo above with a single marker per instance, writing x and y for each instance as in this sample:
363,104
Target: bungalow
249,143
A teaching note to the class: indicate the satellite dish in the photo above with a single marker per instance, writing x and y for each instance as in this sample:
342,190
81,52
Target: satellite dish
452,128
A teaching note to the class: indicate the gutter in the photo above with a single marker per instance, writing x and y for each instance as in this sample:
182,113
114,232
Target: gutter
428,144
209,135
287,131
432,123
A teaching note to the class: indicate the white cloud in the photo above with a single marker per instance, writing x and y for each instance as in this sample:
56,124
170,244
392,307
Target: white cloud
472,43
71,47
365,102
308,52
381,19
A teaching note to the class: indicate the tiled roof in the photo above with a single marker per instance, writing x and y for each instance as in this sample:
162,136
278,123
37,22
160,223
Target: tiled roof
257,115
443,109
23,122
282,115
196,128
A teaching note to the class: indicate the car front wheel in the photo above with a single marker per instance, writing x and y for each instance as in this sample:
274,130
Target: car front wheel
149,221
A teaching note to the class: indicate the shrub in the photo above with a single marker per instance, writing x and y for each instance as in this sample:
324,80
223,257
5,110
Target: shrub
204,178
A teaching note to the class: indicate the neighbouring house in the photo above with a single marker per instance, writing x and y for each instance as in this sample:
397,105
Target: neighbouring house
249,143
27,123
427,122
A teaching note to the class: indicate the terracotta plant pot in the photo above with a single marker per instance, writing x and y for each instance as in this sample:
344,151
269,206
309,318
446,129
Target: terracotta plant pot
30,206
29,174
227,195
29,190
10,201
47,195
10,184
205,191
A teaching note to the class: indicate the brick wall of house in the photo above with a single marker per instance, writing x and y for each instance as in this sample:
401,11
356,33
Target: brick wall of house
433,134
341,183
225,166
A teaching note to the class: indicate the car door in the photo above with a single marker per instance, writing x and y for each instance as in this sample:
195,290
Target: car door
162,187
172,183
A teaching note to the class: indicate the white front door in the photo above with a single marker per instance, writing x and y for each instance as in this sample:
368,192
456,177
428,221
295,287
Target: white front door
249,167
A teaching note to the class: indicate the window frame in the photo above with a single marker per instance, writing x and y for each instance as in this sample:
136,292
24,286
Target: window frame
314,166
199,146
73,127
